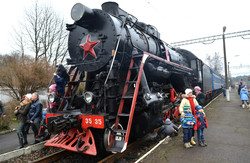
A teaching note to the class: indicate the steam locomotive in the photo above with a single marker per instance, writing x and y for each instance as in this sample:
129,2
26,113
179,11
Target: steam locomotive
131,79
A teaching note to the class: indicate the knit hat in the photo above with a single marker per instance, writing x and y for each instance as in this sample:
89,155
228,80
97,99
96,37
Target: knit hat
185,108
28,96
198,107
167,120
188,90
197,88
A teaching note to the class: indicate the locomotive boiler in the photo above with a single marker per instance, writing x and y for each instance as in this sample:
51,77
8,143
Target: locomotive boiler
131,80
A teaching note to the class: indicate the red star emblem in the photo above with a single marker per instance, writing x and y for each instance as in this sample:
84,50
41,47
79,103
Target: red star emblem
88,47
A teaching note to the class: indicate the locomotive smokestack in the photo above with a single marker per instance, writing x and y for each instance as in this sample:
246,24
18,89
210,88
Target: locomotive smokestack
111,7
80,12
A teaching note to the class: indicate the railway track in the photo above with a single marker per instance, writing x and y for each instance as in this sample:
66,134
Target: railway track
52,157
116,156
136,148
58,156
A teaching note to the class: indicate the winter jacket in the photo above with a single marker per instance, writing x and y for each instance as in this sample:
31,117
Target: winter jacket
23,111
244,94
168,128
240,87
35,110
187,118
201,121
2,109
60,85
186,101
200,98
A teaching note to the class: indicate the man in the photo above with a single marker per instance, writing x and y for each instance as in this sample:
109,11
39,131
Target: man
35,114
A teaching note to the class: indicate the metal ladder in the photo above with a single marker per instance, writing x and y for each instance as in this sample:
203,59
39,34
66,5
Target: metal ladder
121,144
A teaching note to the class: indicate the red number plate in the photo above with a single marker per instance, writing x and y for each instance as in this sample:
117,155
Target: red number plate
94,121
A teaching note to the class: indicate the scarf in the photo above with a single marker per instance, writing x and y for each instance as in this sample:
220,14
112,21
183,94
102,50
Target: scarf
191,101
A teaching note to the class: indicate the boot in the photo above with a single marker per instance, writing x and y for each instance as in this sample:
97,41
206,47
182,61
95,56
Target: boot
192,141
25,142
35,142
20,137
186,145
190,145
203,141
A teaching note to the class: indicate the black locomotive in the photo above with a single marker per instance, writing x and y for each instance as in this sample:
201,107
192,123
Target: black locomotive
131,80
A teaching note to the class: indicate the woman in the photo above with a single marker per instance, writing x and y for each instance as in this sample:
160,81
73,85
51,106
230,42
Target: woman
189,99
21,112
200,97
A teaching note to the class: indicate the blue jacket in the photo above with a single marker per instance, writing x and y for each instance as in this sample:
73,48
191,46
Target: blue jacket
35,110
201,121
188,118
244,94
60,85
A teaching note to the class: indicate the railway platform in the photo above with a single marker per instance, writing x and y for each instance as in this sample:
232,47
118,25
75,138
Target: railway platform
228,137
9,140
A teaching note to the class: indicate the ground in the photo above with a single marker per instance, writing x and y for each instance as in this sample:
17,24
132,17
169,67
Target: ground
228,137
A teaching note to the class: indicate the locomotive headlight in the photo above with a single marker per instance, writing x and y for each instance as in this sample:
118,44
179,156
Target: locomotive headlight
88,97
51,98
159,95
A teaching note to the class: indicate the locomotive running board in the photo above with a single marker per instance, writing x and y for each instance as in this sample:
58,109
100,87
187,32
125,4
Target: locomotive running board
74,141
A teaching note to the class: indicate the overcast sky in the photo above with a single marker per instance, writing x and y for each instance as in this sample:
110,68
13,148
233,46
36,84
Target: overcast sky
176,20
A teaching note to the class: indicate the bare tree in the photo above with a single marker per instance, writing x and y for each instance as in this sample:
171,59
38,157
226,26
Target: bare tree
214,62
19,74
43,33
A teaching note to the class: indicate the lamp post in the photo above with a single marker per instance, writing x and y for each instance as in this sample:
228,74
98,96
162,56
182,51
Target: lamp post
225,63
229,77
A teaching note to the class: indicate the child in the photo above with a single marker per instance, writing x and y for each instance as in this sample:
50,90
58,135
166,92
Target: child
201,124
188,122
167,128
53,106
244,96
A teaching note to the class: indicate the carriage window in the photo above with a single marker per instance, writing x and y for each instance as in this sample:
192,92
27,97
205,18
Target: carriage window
193,64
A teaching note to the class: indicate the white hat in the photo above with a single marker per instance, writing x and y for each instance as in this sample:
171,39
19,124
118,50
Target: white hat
28,96
188,90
